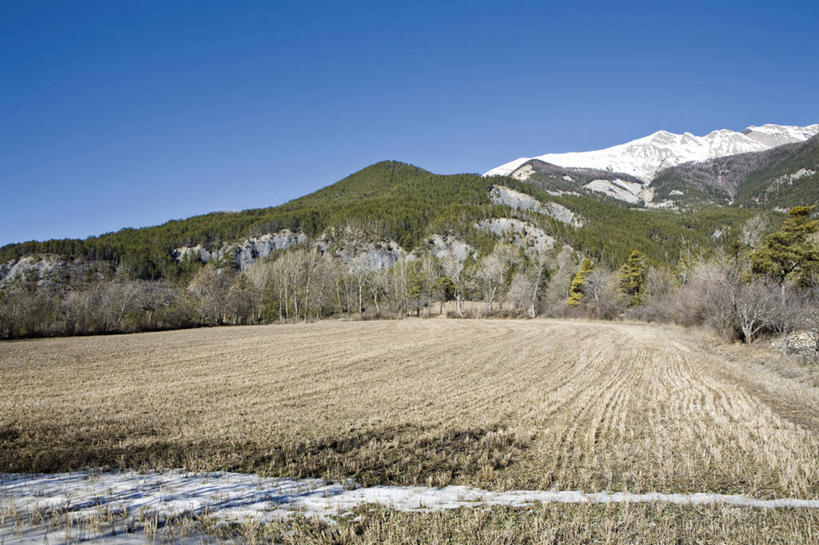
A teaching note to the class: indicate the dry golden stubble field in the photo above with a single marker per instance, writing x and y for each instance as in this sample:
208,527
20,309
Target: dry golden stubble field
564,524
500,404
551,524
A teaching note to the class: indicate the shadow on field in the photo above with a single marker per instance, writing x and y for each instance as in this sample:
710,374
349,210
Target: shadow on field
400,455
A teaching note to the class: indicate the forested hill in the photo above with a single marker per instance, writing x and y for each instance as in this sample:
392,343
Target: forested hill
403,203
392,199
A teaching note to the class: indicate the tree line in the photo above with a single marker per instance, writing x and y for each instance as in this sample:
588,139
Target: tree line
757,284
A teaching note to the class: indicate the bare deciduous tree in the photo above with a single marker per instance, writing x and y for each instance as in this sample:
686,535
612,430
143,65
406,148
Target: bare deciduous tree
753,305
210,287
490,274
454,270
753,230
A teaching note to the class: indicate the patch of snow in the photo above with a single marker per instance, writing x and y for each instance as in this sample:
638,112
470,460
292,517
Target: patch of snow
646,156
676,192
235,497
507,168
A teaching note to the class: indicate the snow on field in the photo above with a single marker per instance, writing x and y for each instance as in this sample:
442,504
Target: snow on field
237,497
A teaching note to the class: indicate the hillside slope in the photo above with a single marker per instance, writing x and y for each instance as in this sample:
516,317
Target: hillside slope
388,201
392,200
782,177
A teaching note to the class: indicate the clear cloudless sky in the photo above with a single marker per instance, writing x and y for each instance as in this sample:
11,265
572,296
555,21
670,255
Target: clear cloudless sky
116,114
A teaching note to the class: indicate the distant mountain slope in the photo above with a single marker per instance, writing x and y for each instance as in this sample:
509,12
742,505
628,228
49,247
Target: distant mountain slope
558,180
782,177
790,181
645,157
716,180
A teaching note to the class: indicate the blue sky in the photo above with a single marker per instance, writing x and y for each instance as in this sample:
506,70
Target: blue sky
116,114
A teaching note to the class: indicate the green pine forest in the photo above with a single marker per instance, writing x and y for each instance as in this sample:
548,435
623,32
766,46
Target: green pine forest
404,203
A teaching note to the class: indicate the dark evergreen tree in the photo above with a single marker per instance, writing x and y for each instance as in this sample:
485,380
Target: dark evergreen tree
632,277
791,252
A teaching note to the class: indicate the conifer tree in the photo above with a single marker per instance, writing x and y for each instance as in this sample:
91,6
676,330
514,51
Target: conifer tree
443,289
633,278
576,293
790,252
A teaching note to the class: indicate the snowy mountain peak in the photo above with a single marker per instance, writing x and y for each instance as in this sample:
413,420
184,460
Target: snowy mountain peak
645,157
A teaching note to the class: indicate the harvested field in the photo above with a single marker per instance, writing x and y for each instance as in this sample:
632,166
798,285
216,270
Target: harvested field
496,404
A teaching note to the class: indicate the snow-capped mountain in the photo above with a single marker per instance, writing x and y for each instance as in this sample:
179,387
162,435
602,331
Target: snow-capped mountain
645,157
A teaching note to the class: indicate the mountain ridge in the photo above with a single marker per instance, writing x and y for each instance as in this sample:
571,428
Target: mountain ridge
645,157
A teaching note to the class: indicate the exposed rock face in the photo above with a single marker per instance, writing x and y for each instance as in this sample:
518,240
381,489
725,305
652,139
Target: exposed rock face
378,259
449,247
356,249
522,233
44,271
349,246
563,214
38,269
801,173
617,189
369,256
525,172
191,252
788,179
253,248
521,201
5,268
242,255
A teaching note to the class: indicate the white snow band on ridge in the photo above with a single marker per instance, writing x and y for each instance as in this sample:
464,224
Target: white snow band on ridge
645,157
238,496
